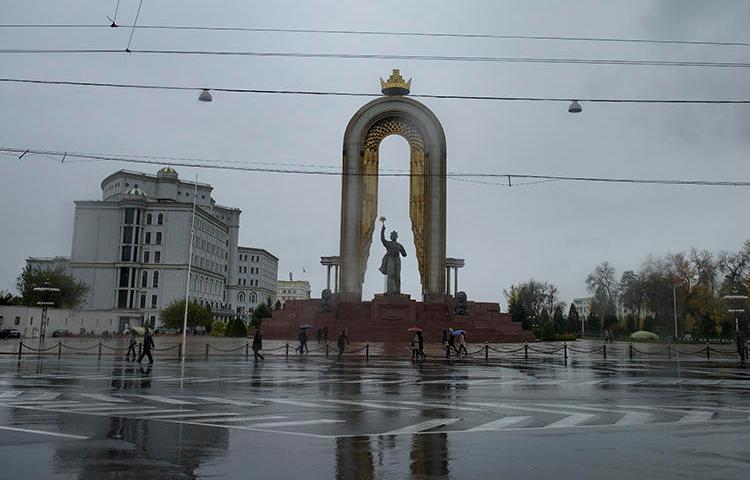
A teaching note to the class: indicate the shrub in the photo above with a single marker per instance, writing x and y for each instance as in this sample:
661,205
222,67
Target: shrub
218,329
236,328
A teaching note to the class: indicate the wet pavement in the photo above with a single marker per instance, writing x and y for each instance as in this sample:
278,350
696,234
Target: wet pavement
78,417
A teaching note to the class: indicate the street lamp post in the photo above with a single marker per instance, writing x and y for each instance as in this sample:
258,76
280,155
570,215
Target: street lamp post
674,300
44,289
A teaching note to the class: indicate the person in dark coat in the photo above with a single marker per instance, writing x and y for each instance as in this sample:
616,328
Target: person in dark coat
302,338
740,341
148,344
342,342
258,345
131,346
420,346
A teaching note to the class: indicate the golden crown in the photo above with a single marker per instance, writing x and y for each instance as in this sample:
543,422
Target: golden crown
396,85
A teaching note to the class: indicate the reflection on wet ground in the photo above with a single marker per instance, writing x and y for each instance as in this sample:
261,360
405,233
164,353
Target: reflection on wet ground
383,418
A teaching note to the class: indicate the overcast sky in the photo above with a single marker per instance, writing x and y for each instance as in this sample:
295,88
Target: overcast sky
552,231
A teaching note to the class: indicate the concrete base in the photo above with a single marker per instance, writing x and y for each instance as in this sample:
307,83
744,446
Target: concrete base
387,317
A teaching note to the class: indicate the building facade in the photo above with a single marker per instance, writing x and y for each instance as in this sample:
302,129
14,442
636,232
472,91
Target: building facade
292,290
256,279
132,249
583,306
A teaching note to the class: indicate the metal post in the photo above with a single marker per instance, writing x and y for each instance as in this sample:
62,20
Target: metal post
247,350
486,351
100,351
669,351
708,351
565,350
140,346
189,269
367,351
206,351
674,299
447,351
179,350
20,349
630,351
526,350
59,349
604,350
287,350
326,349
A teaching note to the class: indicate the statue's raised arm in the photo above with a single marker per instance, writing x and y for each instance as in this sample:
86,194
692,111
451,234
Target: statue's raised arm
382,236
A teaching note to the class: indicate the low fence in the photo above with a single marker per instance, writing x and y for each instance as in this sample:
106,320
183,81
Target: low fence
487,351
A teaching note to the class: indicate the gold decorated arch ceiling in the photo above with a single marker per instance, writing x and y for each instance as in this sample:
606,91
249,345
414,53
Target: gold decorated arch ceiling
417,187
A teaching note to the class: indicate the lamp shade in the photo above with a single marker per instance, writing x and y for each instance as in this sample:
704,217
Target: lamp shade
575,107
205,96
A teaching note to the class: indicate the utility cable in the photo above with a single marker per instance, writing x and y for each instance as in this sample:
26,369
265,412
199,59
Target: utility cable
378,56
135,22
356,94
297,171
399,34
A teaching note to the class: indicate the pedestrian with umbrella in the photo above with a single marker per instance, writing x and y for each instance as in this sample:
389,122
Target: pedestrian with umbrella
302,339
148,344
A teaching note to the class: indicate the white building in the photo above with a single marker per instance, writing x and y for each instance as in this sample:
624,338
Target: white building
256,281
583,306
292,290
132,248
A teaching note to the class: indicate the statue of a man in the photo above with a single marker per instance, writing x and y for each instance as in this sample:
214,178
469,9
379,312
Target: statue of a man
391,265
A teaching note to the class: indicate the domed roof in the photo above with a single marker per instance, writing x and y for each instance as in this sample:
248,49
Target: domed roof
137,192
167,171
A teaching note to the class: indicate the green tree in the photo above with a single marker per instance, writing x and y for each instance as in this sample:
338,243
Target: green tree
535,297
516,310
558,320
236,328
573,325
172,316
71,294
261,311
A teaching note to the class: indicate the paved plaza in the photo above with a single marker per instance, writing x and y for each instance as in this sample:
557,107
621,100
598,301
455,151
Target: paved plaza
78,417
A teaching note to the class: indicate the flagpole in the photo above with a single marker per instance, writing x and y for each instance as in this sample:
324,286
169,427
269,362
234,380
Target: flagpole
187,280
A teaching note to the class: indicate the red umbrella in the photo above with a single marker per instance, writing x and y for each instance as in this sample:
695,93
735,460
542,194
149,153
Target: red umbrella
414,329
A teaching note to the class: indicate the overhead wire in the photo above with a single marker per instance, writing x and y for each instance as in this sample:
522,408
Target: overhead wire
378,56
399,34
363,94
298,171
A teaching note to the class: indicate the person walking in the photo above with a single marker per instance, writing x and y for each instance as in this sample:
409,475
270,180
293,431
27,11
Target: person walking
302,339
258,345
420,346
148,344
414,347
461,344
740,341
342,342
452,342
131,347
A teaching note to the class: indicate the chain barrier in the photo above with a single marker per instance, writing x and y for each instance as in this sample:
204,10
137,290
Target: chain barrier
166,348
115,349
38,349
225,350
80,349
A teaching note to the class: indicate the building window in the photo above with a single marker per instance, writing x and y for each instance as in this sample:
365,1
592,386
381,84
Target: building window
149,219
157,257
125,254
152,321
153,301
160,219
148,238
143,301
122,299
253,298
146,256
155,280
129,216
158,238
241,297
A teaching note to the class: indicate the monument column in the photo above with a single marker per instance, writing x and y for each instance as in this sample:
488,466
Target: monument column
448,280
328,277
455,281
336,278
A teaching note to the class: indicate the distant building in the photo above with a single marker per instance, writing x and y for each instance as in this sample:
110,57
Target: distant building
256,282
132,249
583,306
49,263
292,290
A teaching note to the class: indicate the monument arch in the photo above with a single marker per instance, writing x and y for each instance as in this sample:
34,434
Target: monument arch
393,114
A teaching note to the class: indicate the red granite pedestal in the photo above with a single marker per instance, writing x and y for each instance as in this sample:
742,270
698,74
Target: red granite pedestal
387,317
